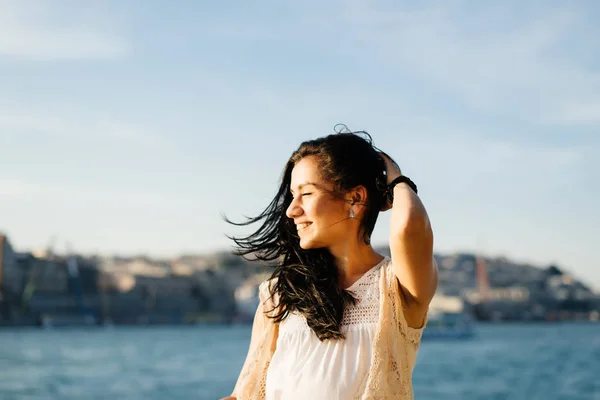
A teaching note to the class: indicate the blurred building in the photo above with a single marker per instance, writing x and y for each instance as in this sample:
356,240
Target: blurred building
11,276
11,280
140,290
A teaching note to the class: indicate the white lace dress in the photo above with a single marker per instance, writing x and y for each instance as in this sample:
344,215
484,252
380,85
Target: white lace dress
303,367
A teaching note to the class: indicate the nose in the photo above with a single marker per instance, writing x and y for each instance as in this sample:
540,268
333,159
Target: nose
294,210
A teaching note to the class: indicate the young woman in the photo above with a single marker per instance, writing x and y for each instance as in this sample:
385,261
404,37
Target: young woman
337,320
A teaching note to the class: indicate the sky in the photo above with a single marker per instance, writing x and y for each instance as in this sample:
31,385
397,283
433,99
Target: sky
131,127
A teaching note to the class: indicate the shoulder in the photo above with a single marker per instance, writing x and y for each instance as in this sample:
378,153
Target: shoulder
388,268
265,291
265,287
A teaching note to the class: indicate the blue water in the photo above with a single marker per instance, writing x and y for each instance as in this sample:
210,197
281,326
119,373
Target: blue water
559,361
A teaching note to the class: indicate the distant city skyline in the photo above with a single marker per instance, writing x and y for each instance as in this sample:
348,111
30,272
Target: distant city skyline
132,127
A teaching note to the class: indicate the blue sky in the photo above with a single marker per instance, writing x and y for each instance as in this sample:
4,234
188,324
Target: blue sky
130,126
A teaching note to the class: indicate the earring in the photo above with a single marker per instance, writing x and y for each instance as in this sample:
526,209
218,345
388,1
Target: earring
352,216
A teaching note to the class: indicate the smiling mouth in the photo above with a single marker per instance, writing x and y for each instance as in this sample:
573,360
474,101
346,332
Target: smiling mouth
303,226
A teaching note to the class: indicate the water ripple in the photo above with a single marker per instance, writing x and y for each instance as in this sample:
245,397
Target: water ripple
504,362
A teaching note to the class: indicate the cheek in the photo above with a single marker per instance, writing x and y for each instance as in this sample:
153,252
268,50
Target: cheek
324,210
330,211
321,209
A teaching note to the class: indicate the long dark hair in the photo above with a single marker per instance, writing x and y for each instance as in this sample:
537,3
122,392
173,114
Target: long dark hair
306,281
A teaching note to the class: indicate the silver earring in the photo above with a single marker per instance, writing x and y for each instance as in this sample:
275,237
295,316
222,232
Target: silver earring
352,216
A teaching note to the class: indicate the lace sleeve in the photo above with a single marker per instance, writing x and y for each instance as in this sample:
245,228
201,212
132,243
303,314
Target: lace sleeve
395,294
251,381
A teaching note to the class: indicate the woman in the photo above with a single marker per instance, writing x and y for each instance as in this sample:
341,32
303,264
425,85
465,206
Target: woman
337,320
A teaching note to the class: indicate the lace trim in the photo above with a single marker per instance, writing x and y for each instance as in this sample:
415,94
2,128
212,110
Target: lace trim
366,292
366,310
393,292
390,375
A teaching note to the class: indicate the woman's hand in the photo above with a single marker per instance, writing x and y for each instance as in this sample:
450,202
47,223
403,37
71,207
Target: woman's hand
392,172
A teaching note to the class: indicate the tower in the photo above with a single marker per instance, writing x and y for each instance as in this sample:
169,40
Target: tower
483,283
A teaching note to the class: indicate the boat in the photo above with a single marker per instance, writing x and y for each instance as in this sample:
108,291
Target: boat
449,325
447,319
56,320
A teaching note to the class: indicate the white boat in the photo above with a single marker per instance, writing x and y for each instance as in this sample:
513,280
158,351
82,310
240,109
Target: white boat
447,319
449,325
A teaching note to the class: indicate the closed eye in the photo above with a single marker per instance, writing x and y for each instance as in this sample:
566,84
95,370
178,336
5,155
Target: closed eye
302,194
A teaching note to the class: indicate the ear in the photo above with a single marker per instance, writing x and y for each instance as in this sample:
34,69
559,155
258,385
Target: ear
358,195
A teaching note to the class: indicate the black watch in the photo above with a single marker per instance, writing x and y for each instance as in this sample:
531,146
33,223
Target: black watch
401,179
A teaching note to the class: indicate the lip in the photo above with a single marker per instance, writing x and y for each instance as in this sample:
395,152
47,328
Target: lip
300,227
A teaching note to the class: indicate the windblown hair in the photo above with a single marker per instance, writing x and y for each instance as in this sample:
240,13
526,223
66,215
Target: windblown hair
306,281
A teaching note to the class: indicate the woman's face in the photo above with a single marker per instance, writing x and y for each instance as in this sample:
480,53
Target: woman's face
321,219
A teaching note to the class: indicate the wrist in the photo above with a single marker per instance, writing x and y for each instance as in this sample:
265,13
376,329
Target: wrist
401,186
401,182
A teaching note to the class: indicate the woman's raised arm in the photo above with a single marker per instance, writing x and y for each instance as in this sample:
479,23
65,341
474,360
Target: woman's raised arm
411,247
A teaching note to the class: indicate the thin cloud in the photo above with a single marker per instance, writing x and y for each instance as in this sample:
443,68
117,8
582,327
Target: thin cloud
15,123
15,188
77,126
489,68
96,196
578,114
509,60
37,32
548,157
483,157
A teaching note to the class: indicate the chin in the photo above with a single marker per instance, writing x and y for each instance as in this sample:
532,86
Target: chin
307,244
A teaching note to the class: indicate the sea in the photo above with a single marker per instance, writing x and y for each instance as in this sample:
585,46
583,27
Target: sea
503,361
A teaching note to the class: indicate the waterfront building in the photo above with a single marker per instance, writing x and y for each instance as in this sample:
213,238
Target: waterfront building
11,280
11,276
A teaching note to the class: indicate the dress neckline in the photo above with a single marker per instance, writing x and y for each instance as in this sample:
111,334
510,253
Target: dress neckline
366,274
